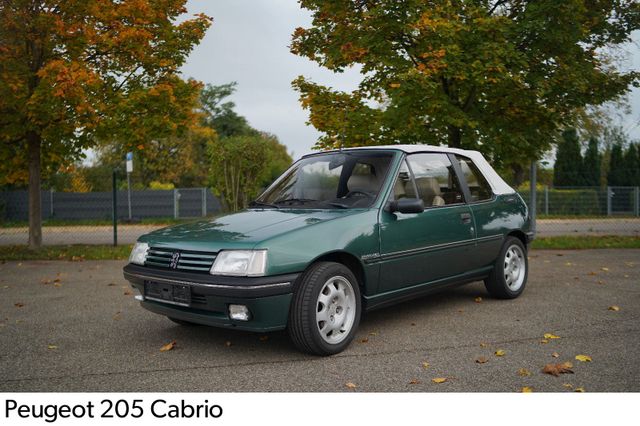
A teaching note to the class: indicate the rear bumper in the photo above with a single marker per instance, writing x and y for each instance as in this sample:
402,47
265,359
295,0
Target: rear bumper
268,298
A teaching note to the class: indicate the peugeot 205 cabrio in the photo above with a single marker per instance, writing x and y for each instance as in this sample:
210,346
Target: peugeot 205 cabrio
339,233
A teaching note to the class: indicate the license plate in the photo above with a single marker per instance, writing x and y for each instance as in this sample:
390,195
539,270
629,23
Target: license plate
169,293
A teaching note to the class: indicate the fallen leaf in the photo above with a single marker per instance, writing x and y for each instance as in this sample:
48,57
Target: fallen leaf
264,338
425,365
592,273
478,299
350,385
581,389
18,305
626,276
500,352
227,343
57,285
116,316
558,369
127,293
413,324
57,280
583,358
550,336
614,308
568,385
483,345
415,382
555,354
373,333
526,389
52,347
568,264
524,372
365,340
481,360
605,269
439,380
111,284
544,341
600,282
169,346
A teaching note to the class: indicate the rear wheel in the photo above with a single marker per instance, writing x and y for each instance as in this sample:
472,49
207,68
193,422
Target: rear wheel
325,311
510,272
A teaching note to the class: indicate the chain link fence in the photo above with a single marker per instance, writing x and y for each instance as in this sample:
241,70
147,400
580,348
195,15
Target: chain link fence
88,217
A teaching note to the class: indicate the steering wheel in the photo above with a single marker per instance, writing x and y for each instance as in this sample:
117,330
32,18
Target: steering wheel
356,192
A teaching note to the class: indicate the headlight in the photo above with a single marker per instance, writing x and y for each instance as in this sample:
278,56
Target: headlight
139,253
249,263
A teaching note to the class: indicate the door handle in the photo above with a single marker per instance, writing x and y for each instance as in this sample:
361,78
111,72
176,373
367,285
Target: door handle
466,217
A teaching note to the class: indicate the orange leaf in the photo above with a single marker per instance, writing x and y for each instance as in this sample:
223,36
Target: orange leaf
415,382
350,385
557,369
169,346
481,360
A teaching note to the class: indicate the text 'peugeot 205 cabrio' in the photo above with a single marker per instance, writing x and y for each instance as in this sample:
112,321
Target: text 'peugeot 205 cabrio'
339,233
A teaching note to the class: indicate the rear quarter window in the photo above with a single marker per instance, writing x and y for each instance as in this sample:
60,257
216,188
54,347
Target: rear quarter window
477,183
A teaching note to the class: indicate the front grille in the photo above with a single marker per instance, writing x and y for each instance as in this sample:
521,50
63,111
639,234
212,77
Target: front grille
193,261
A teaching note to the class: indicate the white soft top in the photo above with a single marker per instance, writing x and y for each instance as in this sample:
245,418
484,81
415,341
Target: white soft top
498,185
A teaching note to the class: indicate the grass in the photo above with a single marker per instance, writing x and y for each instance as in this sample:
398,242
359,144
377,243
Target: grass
104,252
579,242
71,252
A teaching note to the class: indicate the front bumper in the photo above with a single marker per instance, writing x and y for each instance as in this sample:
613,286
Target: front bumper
268,298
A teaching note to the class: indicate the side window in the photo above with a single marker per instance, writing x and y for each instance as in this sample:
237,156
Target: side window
478,185
436,179
404,186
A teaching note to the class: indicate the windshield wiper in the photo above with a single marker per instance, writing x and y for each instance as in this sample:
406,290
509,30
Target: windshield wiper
339,205
295,200
255,203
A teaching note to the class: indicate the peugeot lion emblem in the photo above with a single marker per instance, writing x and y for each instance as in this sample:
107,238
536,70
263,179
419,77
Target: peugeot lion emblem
175,257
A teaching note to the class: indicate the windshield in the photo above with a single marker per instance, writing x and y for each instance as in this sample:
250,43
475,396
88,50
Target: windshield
333,180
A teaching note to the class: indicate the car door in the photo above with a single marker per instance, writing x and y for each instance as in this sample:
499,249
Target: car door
432,245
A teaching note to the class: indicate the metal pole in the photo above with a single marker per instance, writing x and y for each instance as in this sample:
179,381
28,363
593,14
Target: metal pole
532,195
51,203
204,202
114,198
637,191
609,195
175,203
546,200
129,193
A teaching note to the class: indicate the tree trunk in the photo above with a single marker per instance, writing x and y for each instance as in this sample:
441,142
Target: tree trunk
518,174
34,143
455,137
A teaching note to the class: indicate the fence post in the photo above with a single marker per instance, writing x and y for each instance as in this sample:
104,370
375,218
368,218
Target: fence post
609,195
637,191
175,203
51,191
532,195
546,200
114,206
204,202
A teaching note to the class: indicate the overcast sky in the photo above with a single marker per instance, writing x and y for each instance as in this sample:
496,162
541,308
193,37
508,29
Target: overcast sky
248,43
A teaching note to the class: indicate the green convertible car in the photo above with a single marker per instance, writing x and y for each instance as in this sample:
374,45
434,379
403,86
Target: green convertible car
339,233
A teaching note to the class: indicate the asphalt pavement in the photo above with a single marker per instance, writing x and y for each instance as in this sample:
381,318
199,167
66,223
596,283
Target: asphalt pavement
75,326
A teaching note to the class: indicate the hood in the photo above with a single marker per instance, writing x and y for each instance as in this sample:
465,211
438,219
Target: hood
239,230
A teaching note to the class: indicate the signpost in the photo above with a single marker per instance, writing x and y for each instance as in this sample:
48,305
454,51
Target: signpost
129,170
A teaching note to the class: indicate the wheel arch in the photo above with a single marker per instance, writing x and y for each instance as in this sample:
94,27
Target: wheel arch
519,235
348,260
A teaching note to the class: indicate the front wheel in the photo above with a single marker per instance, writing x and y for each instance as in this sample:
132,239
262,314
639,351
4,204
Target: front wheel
325,311
510,272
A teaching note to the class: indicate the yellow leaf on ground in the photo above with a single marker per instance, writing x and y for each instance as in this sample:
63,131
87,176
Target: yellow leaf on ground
483,345
526,389
169,346
425,365
478,299
500,352
583,358
604,269
550,336
581,389
524,372
614,308
481,360
350,385
544,341
439,380
52,347
568,385
555,354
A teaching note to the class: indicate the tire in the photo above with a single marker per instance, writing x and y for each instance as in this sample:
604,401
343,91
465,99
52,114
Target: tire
510,272
183,322
326,308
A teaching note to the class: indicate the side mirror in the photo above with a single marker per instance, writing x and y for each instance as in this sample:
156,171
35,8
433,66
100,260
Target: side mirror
407,205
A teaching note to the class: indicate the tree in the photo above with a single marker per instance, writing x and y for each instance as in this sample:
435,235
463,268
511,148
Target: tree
76,71
237,166
616,175
591,164
219,115
568,166
632,166
500,76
